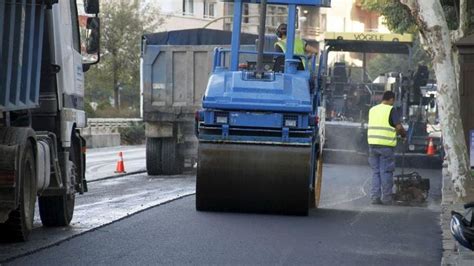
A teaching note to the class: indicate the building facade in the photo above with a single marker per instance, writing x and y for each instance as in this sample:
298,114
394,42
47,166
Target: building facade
343,16
189,14
216,14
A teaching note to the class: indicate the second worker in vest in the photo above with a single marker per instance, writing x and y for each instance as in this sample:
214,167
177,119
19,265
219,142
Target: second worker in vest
384,125
300,46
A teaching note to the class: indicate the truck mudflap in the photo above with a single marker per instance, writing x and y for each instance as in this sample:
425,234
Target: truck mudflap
253,178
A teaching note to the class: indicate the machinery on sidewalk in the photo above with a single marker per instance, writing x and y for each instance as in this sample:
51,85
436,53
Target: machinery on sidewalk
462,226
42,154
258,128
350,93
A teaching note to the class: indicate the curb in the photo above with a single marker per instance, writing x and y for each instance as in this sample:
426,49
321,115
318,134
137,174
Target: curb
453,253
117,176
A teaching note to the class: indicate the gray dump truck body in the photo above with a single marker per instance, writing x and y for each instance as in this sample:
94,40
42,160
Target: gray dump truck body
175,69
174,79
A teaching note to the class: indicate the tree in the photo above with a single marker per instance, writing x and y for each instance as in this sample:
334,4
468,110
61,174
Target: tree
384,63
123,24
440,24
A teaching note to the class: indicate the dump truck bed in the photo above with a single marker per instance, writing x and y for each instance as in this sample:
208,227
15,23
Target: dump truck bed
21,44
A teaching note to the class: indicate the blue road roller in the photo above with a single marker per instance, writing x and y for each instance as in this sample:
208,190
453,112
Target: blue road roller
258,127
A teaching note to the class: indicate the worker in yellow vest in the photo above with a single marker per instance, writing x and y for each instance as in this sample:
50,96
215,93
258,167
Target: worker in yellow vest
384,125
300,46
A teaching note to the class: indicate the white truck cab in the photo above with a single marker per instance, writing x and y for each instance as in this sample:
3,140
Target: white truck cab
46,46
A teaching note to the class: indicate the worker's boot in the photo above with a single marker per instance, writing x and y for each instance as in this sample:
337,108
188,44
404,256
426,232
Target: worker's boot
376,201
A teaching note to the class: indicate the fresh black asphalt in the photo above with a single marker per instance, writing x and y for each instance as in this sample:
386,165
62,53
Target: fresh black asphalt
349,231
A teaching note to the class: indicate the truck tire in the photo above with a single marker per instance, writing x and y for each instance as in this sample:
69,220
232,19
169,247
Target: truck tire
153,156
20,221
58,210
172,162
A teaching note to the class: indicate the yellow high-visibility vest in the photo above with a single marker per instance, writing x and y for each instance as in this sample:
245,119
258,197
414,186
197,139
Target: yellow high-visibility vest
380,132
297,50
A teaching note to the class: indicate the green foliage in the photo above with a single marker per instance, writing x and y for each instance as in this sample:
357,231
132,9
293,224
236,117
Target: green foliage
397,16
89,110
132,135
122,25
451,11
384,63
399,19
105,110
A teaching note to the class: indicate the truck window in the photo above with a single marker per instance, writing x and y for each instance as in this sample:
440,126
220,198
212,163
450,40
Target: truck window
75,26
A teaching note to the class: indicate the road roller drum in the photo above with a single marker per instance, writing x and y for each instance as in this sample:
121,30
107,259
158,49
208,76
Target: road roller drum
253,178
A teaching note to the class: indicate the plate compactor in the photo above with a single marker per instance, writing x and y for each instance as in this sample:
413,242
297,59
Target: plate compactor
410,188
257,130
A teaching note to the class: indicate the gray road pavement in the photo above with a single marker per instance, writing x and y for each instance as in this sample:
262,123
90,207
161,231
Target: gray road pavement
346,230
107,201
101,162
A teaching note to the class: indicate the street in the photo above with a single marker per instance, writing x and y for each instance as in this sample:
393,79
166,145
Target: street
101,162
346,230
125,126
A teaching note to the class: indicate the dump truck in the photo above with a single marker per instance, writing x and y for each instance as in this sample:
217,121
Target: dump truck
43,56
175,67
258,140
349,93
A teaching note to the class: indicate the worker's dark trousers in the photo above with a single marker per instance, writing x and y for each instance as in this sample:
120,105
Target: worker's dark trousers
382,161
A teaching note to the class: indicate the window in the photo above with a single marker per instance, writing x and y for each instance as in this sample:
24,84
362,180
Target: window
188,7
246,13
273,21
282,15
323,23
228,11
75,26
209,9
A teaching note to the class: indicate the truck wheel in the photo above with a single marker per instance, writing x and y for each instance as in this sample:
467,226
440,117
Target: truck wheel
58,210
20,221
172,162
153,156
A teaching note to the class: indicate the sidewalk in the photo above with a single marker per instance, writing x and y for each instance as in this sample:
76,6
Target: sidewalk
453,253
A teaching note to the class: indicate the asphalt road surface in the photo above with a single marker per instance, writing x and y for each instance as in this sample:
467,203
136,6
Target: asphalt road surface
106,202
346,230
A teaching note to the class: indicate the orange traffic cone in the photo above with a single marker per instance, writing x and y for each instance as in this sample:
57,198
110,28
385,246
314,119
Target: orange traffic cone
120,168
431,148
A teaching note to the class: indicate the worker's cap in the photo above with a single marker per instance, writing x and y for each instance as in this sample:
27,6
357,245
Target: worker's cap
282,27
281,30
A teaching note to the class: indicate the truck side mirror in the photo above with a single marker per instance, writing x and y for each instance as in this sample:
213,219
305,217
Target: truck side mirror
90,43
91,6
93,40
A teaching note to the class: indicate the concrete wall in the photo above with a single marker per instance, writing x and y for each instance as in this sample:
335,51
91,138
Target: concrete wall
102,140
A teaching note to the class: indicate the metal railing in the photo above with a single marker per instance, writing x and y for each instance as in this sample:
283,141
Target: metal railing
109,125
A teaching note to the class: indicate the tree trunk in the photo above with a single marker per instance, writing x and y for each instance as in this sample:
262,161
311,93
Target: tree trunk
434,30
